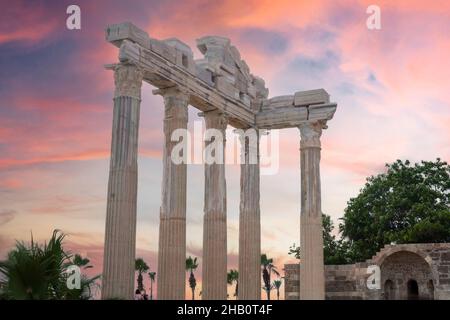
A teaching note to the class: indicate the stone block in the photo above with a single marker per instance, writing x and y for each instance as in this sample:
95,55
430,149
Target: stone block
281,101
224,86
321,111
245,99
164,50
184,55
261,91
251,91
445,257
205,75
116,33
306,98
443,269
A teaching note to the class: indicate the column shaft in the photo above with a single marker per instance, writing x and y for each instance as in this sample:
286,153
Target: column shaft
172,228
120,231
312,281
249,220
214,275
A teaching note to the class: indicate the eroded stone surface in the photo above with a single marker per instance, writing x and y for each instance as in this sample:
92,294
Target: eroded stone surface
426,264
222,86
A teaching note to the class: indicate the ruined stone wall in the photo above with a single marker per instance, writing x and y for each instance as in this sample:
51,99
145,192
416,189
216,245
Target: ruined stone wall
402,267
426,264
292,281
342,282
441,258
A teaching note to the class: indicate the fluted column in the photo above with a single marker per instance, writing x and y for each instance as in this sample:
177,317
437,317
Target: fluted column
214,279
312,278
120,231
172,228
249,219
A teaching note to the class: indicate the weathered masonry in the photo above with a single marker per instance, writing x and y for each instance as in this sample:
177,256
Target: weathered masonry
223,88
407,271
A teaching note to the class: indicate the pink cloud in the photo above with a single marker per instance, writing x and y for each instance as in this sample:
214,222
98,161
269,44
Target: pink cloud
30,23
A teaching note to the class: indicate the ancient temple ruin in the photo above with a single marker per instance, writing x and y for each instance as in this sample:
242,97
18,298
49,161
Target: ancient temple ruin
407,272
222,87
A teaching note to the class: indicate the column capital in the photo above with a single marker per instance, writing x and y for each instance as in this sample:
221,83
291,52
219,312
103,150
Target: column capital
310,133
215,119
176,101
128,81
174,92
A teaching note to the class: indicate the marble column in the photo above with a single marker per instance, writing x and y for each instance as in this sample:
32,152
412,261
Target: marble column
312,281
172,229
214,276
120,231
249,219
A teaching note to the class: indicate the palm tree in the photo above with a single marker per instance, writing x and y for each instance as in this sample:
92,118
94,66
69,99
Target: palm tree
267,269
86,283
34,271
140,266
152,279
233,276
191,265
277,285
78,260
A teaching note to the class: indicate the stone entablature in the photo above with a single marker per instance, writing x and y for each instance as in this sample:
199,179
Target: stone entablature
426,264
219,80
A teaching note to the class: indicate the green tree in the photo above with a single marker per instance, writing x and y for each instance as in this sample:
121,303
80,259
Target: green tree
277,285
191,266
141,267
406,204
334,251
152,275
267,269
233,276
39,272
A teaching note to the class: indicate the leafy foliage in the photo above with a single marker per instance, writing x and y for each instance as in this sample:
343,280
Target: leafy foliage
38,272
334,251
152,276
267,269
191,266
407,204
277,284
141,267
233,276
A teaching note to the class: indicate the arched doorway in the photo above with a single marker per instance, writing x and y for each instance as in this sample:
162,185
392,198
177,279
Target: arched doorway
413,290
408,273
389,293
430,287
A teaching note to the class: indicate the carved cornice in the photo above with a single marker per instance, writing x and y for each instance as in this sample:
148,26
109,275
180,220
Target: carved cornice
128,81
310,133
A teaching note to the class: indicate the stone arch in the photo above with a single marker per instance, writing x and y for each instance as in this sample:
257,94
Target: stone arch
430,287
413,289
409,270
388,250
389,290
419,249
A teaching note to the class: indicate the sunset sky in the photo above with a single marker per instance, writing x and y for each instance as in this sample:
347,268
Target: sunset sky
392,87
